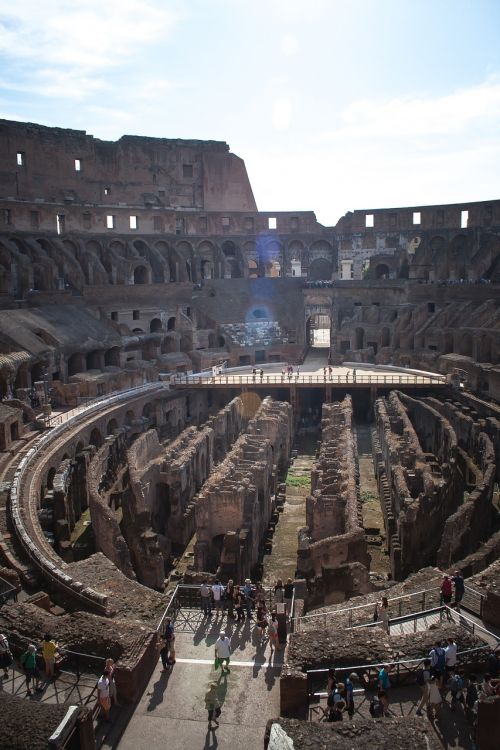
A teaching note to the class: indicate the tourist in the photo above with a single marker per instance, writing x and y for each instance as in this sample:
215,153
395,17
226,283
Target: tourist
493,663
272,629
330,372
384,682
5,655
206,598
376,706
446,591
471,694
260,595
230,599
279,592
261,620
435,699
489,686
49,648
248,597
288,595
383,613
103,694
212,705
222,652
451,655
423,680
113,693
349,693
167,653
437,655
384,701
456,686
239,603
28,660
332,679
458,583
336,703
218,594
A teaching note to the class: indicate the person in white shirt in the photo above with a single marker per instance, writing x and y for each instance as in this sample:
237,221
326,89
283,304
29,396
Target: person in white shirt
206,598
451,655
218,594
222,652
103,689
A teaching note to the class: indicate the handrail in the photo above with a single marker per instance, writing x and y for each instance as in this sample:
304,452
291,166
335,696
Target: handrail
359,379
35,553
367,605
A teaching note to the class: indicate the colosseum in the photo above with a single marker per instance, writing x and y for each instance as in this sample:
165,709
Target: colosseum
194,391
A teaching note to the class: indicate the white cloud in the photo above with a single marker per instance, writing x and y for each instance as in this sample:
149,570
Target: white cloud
77,42
281,113
418,116
289,45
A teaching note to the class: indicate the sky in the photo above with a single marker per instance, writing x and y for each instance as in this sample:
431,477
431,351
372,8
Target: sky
334,106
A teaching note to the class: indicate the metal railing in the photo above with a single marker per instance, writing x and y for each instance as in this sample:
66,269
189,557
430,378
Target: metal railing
359,379
363,613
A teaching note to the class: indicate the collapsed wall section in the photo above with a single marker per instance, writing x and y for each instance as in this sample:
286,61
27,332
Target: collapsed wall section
235,505
418,478
333,553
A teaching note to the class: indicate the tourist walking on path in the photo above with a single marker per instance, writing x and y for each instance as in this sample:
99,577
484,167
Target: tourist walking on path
230,599
288,596
5,655
218,594
435,699
113,693
103,694
384,682
272,630
458,582
28,660
222,652
446,593
206,598
451,655
239,600
437,655
49,648
423,680
212,704
167,651
248,597
279,592
383,613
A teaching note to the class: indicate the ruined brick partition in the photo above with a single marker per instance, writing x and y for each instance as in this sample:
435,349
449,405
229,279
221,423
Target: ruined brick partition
333,548
235,505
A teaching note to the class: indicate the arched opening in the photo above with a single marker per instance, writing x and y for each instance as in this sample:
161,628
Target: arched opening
465,344
76,363
448,343
155,326
93,360
112,357
233,270
79,447
148,412
161,509
50,478
129,418
171,324
318,331
140,275
38,373
207,269
96,438
253,269
381,271
112,427
320,269
360,338
386,337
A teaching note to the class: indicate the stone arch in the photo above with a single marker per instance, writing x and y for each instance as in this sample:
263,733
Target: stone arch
465,344
129,417
186,271
171,323
76,363
386,337
253,269
112,357
142,275
320,269
50,478
93,359
360,338
149,412
96,439
111,427
155,325
381,271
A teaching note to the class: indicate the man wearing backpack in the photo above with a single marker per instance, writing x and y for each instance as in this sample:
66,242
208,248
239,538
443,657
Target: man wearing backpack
437,656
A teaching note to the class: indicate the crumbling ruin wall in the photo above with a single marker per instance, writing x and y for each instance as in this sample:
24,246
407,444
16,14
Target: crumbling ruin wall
102,474
333,552
419,474
235,505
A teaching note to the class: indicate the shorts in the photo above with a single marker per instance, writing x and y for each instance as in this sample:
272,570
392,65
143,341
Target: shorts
446,599
105,703
220,659
31,673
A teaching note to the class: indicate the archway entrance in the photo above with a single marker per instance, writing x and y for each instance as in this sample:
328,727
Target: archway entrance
318,331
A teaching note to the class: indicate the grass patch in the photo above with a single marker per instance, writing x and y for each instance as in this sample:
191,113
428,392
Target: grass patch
293,480
367,496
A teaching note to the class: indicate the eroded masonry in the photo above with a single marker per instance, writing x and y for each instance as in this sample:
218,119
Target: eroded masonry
169,354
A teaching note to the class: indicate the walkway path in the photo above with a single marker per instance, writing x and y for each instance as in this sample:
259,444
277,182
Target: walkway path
171,712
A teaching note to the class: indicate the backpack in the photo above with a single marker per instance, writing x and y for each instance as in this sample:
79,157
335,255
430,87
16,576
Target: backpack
376,709
441,659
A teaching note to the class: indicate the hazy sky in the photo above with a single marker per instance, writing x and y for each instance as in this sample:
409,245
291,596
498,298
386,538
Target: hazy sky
333,105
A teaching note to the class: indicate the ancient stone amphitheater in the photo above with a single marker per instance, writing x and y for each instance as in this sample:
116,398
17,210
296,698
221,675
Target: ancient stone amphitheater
192,389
